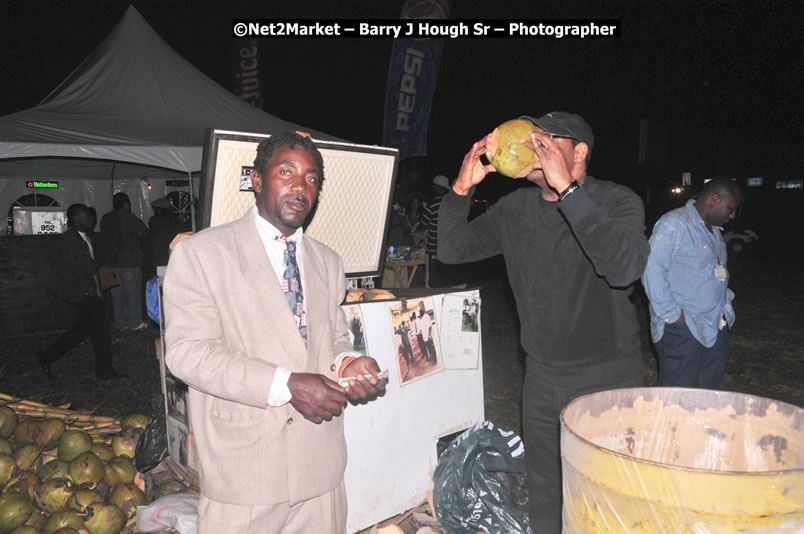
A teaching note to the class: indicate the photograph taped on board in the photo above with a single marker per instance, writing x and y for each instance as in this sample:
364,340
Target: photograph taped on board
354,204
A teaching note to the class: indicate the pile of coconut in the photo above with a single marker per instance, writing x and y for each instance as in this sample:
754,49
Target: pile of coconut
66,472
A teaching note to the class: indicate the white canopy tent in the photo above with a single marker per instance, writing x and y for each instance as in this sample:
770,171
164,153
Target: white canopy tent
134,112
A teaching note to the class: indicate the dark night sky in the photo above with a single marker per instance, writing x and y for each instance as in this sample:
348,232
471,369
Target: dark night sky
723,76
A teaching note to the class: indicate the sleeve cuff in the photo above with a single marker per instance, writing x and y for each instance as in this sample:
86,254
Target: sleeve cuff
577,205
344,359
279,394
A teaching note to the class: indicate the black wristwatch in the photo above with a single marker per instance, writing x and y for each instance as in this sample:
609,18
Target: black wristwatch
573,186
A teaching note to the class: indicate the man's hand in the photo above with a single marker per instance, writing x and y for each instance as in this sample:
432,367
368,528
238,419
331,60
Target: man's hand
316,397
472,170
360,388
551,159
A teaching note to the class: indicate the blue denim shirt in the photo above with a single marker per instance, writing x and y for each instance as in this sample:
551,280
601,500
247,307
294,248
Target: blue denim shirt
680,275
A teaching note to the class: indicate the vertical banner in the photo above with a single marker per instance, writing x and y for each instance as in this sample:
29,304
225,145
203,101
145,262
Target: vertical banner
246,72
412,74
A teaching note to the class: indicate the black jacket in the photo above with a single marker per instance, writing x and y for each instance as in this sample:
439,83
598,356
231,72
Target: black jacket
76,268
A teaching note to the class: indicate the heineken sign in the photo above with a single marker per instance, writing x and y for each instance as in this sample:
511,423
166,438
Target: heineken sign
35,184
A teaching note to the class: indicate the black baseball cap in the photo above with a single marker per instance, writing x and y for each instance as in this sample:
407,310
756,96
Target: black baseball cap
563,123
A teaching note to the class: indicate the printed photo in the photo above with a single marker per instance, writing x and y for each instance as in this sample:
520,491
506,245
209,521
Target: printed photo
416,339
245,179
471,312
354,321
176,398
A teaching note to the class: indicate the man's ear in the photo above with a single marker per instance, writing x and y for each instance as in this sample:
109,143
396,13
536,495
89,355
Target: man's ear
581,150
256,181
714,199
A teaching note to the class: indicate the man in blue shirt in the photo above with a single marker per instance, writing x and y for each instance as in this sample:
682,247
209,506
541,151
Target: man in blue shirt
687,283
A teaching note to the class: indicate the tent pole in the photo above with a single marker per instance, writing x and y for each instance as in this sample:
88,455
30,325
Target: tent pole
111,182
192,203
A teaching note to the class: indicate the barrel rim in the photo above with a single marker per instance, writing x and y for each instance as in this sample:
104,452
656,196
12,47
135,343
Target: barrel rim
787,407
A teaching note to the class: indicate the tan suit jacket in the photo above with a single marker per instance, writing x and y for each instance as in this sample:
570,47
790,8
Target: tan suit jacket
228,327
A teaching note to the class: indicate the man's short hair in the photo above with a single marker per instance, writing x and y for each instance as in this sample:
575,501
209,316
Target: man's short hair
267,146
119,200
720,187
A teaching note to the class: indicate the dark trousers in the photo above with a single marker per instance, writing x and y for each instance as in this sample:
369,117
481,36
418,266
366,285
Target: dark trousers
423,348
431,350
90,320
542,402
684,362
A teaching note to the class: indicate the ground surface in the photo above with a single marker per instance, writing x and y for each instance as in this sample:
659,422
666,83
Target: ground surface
766,349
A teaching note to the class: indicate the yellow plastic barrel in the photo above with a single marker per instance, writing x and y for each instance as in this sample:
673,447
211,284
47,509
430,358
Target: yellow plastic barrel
678,460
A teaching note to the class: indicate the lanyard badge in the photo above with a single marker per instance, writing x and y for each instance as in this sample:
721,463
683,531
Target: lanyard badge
720,272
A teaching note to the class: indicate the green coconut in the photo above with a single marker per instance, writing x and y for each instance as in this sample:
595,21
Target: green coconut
72,443
49,456
134,420
54,494
5,447
23,433
83,498
127,497
507,153
8,421
103,452
86,469
119,469
7,468
26,483
123,446
104,519
63,519
67,530
25,529
47,432
26,456
15,509
54,469
37,520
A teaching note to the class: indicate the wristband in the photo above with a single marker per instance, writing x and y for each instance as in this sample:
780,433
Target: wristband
346,361
573,186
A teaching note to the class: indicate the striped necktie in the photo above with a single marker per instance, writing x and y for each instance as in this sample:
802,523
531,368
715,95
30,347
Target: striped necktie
291,285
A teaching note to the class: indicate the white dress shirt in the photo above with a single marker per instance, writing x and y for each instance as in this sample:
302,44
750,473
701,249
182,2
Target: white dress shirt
279,393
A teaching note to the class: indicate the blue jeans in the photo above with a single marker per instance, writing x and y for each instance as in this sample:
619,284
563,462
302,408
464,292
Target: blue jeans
127,297
684,362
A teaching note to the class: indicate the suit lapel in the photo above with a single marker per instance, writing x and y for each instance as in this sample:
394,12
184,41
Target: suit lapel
258,274
315,291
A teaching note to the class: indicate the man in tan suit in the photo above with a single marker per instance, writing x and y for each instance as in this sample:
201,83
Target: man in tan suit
264,399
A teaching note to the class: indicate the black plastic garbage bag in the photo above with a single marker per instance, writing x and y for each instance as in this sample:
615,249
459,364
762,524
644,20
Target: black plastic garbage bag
467,498
152,446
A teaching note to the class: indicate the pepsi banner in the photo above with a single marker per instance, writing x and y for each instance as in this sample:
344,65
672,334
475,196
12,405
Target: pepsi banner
412,75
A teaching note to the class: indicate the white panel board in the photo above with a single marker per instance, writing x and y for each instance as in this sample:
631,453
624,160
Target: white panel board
353,207
391,442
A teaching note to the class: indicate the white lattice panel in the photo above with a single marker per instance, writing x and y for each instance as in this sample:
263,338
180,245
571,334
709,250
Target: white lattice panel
353,207
352,210
228,202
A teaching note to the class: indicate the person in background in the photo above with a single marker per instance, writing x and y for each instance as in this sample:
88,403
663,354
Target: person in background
93,220
254,327
573,248
687,283
163,226
79,286
121,236
437,270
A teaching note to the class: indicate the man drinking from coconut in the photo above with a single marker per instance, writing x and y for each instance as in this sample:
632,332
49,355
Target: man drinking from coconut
255,328
573,247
